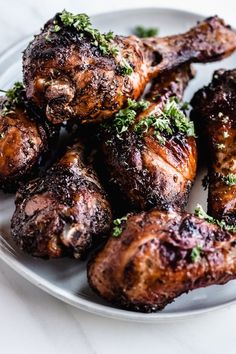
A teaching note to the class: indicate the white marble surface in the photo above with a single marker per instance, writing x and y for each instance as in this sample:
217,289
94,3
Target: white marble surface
31,321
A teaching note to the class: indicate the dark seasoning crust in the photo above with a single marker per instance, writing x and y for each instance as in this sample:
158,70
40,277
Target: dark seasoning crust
88,62
89,87
147,173
63,213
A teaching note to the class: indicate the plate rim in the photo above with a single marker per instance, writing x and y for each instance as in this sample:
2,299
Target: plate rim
75,300
100,309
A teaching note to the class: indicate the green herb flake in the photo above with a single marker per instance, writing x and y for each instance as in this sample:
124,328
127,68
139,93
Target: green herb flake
126,69
200,213
14,98
126,117
144,32
230,179
196,254
47,37
80,21
82,24
185,106
167,120
56,28
117,226
14,94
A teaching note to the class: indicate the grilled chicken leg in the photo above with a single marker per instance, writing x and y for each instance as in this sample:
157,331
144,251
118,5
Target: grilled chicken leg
70,72
145,170
159,256
24,140
214,110
63,213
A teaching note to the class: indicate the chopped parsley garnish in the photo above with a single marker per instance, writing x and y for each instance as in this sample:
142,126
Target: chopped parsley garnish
117,226
126,117
185,106
83,25
230,179
199,212
57,28
171,118
196,254
126,69
47,37
143,32
14,98
159,123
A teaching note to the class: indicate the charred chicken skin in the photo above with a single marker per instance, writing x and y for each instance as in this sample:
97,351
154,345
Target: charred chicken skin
214,110
63,213
72,71
23,142
147,170
159,256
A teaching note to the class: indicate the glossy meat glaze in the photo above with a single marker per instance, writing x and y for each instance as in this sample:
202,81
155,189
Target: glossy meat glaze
159,256
68,76
214,111
146,172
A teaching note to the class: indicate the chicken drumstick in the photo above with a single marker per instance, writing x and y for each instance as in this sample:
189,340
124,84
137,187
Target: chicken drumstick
71,70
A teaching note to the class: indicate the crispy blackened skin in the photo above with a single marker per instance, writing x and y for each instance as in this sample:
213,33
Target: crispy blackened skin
147,173
214,110
68,77
63,213
24,141
152,262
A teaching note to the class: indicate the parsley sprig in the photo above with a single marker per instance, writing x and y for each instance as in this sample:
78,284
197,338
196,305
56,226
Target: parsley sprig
230,179
14,98
82,23
126,68
143,32
171,118
196,254
126,117
199,212
117,226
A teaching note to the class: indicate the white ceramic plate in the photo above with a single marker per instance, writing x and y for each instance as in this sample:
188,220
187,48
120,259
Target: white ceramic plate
66,279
